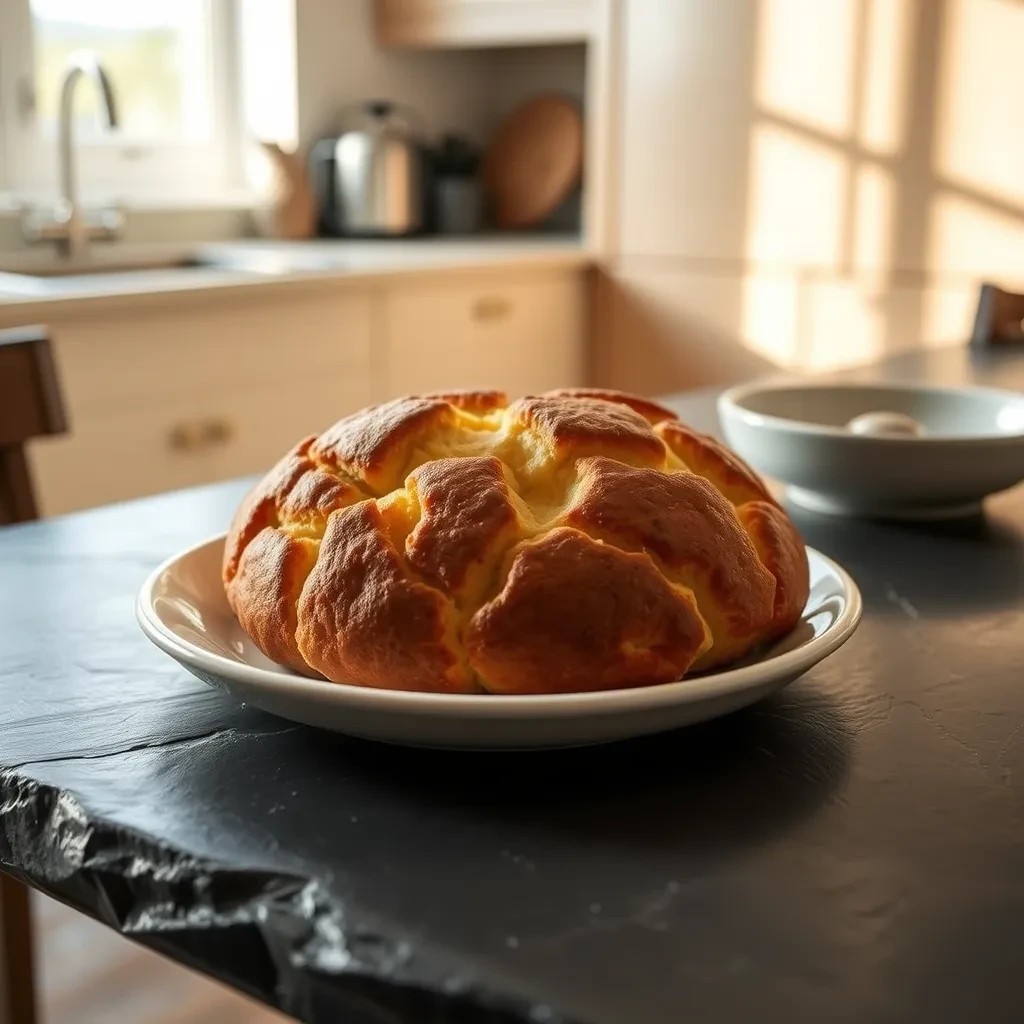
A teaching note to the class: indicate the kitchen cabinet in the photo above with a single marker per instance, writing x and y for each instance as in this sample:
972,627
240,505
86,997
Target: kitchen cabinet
178,396
520,333
437,23
129,359
182,441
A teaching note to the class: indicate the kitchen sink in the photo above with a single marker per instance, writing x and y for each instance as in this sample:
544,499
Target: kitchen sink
83,268
45,274
139,268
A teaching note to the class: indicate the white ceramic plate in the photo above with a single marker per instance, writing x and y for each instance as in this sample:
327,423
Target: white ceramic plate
182,609
972,445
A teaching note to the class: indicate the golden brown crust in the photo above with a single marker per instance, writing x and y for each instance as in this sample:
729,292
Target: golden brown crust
467,521
314,495
577,427
259,507
781,548
271,573
684,522
575,614
471,401
362,618
651,411
708,458
373,444
451,542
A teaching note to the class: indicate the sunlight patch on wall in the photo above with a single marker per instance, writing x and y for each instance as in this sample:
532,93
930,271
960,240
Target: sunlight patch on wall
971,239
768,321
842,324
947,315
805,61
887,42
980,135
874,199
805,320
795,199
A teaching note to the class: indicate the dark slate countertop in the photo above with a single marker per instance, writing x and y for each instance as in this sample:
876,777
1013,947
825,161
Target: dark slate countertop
850,850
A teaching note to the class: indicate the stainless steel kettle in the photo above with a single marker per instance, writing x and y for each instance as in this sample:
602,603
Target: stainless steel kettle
369,181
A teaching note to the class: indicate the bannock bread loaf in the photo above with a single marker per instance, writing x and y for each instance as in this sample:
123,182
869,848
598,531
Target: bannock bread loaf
575,540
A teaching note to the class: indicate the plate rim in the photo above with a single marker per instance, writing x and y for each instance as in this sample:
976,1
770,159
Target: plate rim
694,690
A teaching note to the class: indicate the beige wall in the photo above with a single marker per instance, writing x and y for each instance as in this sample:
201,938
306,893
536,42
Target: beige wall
339,63
813,182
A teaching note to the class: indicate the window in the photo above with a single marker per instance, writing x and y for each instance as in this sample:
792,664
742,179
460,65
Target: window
174,71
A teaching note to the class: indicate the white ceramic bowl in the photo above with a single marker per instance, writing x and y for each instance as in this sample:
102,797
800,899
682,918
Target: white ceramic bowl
182,609
971,445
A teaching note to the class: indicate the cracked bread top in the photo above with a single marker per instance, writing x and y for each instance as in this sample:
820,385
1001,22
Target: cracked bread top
456,542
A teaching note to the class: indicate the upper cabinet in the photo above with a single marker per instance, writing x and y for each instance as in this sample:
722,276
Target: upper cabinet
438,23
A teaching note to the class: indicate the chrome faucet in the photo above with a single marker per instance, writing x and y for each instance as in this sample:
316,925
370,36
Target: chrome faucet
70,229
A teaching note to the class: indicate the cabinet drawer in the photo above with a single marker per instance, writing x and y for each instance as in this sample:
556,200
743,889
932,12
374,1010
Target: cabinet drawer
198,438
140,357
522,336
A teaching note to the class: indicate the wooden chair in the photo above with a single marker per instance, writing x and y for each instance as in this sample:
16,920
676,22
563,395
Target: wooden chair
17,960
30,406
1000,317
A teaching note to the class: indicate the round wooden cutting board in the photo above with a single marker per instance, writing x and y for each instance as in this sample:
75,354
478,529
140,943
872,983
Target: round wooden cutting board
534,161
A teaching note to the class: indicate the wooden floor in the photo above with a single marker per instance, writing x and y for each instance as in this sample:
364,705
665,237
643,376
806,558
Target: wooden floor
89,974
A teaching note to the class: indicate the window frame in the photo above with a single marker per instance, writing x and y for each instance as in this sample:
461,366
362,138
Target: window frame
112,168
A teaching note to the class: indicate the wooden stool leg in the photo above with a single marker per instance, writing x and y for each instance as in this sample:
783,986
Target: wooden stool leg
17,973
17,500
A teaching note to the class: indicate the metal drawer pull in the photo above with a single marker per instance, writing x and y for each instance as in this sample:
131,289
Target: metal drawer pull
200,434
491,307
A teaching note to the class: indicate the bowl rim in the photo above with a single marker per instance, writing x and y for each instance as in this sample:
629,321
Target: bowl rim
730,404
790,663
